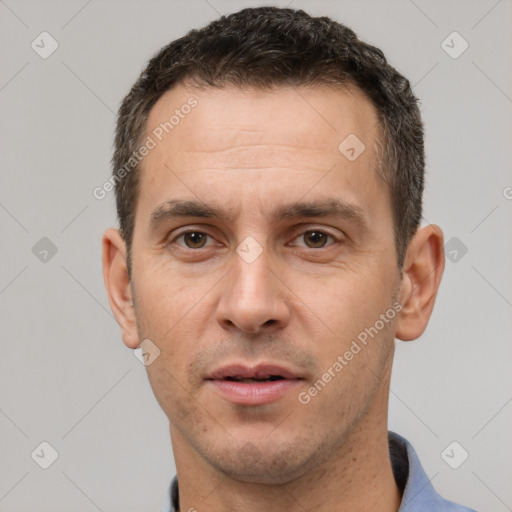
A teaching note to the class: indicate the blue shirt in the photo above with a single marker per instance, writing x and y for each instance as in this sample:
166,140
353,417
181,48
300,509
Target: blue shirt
418,494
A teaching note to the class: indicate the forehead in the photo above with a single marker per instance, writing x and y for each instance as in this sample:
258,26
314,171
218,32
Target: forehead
315,118
210,143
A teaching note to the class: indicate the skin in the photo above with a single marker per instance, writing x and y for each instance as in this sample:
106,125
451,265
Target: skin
301,303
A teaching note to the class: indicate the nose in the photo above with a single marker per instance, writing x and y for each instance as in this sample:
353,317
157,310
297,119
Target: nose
254,299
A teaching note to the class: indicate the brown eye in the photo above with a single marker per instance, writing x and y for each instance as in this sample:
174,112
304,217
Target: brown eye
194,239
315,239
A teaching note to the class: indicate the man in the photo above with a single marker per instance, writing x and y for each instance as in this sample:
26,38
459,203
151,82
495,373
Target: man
269,179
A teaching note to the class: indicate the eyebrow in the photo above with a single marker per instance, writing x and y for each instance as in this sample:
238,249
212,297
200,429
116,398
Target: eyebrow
329,207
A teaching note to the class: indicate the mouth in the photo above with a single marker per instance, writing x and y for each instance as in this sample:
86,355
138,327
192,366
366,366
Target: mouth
253,385
271,378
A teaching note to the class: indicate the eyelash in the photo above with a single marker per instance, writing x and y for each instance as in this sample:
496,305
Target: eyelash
183,233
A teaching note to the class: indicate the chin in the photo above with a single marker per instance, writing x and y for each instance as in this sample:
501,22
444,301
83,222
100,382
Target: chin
269,465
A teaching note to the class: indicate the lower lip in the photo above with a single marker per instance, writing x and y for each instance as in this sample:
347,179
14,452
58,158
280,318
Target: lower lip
253,393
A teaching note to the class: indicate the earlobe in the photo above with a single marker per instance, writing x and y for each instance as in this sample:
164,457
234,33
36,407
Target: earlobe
117,283
423,269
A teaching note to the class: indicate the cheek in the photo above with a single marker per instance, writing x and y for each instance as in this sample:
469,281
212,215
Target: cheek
348,300
349,313
174,316
172,392
163,298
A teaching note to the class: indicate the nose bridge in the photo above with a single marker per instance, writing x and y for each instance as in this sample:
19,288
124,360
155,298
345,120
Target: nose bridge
252,279
253,297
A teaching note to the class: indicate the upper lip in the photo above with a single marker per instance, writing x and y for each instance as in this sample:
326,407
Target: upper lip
259,371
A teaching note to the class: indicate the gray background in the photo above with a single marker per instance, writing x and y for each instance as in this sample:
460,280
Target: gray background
65,376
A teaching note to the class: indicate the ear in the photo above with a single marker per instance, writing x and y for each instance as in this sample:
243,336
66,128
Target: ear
117,283
422,272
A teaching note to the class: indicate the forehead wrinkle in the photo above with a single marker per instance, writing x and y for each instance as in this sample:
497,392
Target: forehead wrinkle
227,168
256,156
256,146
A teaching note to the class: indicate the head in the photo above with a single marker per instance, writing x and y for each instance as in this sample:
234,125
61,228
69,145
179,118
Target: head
272,218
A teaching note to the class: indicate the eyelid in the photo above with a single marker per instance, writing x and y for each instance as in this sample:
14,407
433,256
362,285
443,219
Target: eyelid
333,232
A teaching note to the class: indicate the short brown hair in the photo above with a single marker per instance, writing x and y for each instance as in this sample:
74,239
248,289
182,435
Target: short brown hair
271,47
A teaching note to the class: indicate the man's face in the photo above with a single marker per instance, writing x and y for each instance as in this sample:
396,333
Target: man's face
288,259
